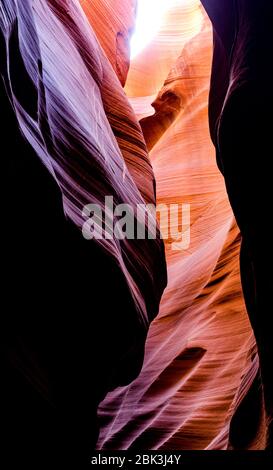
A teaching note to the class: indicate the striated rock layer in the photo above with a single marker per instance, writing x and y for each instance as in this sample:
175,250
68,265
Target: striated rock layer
77,311
113,22
200,361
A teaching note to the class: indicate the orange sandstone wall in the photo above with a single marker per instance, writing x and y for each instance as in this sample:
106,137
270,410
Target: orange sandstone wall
200,356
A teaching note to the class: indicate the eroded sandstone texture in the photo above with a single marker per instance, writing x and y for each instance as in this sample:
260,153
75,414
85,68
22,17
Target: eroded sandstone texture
200,359
77,312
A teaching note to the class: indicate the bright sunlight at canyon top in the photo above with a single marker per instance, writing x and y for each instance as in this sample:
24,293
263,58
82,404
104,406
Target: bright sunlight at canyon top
150,16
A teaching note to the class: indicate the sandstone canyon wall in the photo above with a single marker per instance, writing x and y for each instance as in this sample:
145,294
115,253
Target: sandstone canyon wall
80,124
240,98
76,326
200,358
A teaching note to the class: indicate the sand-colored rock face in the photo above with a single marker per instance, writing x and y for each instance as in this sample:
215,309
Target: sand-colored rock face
113,22
200,355
82,132
182,21
74,140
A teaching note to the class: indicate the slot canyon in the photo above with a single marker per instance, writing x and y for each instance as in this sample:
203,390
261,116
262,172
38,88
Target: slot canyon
136,343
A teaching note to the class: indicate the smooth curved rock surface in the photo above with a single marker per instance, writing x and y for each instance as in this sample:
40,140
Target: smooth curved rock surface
113,22
78,311
240,97
70,139
200,359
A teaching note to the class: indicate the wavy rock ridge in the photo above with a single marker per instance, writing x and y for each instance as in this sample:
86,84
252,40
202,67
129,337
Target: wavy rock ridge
200,358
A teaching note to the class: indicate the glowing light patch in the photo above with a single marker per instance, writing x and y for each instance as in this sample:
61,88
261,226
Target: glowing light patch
150,14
